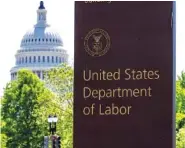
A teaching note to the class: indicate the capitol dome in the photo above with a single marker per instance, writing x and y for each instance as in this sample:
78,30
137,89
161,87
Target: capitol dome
41,48
41,36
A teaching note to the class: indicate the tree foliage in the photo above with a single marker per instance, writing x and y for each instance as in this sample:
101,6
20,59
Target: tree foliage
60,81
180,97
180,111
3,137
26,105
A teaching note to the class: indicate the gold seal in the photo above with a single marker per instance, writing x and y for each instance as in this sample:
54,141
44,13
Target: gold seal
97,42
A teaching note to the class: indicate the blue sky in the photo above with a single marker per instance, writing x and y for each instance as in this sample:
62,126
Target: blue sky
19,16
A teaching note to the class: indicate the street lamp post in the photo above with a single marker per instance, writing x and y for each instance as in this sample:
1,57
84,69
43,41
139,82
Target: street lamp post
52,123
52,127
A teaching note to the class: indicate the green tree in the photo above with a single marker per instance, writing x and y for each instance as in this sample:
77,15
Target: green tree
60,81
26,105
180,111
180,97
180,138
181,79
3,137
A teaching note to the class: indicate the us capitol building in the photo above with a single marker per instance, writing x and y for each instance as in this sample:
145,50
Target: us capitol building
41,48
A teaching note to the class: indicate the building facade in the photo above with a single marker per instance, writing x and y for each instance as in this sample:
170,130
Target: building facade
41,48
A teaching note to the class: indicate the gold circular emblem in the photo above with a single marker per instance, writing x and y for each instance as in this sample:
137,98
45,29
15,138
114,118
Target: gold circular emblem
97,42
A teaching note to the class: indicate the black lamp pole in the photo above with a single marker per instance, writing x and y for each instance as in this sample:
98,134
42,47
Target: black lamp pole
52,126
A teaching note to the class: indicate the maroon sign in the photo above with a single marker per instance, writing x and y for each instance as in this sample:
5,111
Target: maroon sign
123,88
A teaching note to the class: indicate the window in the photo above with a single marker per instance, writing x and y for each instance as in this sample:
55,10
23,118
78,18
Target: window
43,59
56,59
38,58
38,74
52,59
48,59
39,39
34,59
30,59
60,60
19,60
26,60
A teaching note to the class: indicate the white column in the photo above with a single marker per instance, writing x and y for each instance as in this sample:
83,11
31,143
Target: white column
41,75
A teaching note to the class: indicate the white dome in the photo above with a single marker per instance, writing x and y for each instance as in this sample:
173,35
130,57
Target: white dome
41,48
41,36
